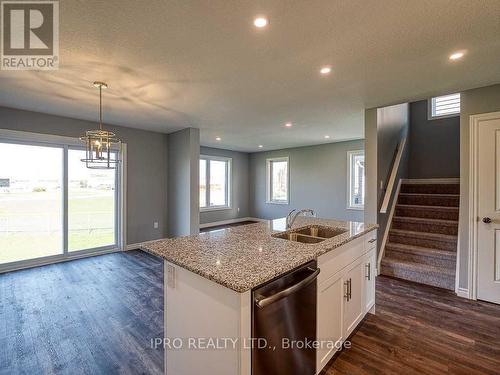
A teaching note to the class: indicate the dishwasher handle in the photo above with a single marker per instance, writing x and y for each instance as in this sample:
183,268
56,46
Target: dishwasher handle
262,301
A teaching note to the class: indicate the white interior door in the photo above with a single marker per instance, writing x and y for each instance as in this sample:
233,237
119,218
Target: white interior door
488,209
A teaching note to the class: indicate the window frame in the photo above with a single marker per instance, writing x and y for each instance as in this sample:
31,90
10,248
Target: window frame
229,183
269,188
350,158
431,102
67,143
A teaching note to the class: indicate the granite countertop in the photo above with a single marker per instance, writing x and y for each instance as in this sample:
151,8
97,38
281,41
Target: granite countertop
243,257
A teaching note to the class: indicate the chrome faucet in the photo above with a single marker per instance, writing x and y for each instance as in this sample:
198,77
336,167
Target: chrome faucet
291,219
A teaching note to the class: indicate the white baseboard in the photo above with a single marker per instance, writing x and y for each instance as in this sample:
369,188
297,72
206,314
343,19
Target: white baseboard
419,181
463,292
231,221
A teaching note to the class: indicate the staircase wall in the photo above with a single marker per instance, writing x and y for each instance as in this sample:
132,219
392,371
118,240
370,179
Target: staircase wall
435,144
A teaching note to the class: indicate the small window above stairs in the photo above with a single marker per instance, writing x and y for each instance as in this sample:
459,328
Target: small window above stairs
422,244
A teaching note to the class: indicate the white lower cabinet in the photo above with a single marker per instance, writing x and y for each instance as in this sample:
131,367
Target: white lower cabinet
369,280
354,300
346,291
329,321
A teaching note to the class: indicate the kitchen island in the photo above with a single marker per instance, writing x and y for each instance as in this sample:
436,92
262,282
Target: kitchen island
209,280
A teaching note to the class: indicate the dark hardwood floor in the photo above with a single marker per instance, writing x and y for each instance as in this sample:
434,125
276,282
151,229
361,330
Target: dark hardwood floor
98,315
419,329
89,316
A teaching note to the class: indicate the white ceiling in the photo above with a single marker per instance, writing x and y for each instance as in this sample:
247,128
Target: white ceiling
174,64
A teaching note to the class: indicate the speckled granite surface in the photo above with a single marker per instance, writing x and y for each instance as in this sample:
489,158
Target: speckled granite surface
241,258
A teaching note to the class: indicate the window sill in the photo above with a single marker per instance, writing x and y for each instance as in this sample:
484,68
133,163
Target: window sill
430,117
356,208
208,209
278,202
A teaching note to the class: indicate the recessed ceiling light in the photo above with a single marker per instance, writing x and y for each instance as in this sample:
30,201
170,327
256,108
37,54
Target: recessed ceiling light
325,70
327,136
260,146
456,55
218,138
260,22
288,124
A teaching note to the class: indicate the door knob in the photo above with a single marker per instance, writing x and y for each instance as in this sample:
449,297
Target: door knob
486,220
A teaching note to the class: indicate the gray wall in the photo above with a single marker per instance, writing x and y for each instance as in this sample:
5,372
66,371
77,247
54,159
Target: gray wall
183,182
240,187
318,180
476,101
371,187
435,144
392,126
147,166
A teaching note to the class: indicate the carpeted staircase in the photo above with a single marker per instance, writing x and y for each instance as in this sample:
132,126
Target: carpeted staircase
422,244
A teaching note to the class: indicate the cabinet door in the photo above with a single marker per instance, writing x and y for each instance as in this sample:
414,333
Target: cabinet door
329,319
369,279
354,305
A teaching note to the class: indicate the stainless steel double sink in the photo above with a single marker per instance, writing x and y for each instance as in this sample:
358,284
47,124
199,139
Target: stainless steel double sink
311,234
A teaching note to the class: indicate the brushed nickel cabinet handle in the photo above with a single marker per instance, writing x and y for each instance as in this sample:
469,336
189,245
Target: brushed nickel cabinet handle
372,240
486,220
350,289
346,295
368,267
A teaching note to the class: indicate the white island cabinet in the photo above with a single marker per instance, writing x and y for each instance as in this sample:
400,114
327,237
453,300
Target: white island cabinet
346,292
209,281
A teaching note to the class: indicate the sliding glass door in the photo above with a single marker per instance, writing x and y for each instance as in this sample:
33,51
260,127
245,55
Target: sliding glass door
91,205
31,202
52,206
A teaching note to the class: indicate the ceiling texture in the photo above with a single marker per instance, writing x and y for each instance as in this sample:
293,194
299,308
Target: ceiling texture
177,64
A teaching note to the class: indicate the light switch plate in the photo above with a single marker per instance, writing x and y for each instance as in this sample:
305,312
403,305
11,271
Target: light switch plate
170,276
155,225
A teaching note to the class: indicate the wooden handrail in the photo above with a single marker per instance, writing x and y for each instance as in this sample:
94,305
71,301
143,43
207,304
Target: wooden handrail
392,178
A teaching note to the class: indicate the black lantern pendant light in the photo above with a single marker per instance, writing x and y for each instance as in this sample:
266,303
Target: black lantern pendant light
102,146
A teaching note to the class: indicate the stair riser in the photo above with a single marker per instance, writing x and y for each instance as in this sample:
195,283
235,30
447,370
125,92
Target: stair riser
429,200
424,227
427,213
424,242
431,189
448,263
434,279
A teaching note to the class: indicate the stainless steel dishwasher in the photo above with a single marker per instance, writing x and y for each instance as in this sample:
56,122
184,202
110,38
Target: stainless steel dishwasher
284,313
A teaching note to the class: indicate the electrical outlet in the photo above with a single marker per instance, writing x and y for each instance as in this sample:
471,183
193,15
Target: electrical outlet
156,225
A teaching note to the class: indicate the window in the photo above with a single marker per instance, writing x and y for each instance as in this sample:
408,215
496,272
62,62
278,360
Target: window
51,206
444,106
356,179
277,180
215,186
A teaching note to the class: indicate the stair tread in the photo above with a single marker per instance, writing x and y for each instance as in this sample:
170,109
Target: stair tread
437,236
417,206
421,250
427,220
387,261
